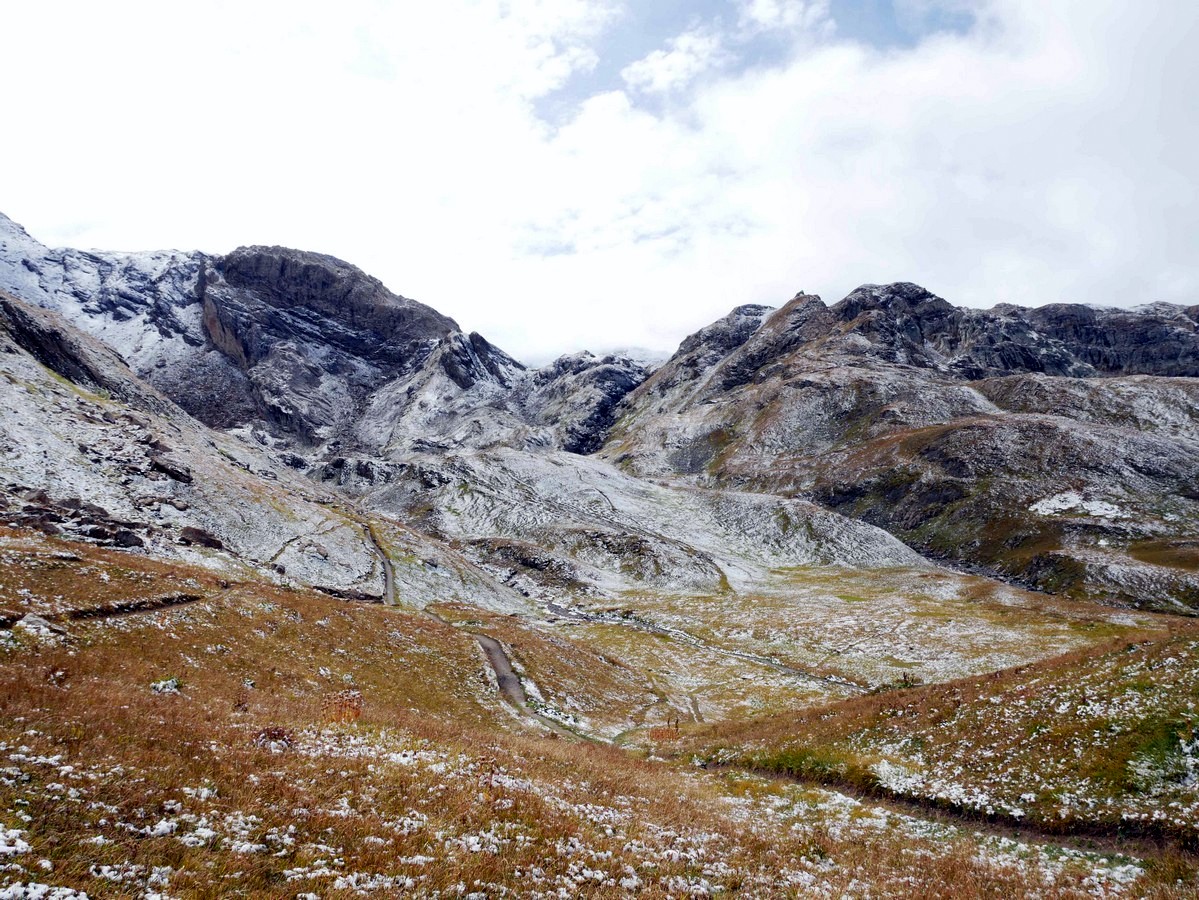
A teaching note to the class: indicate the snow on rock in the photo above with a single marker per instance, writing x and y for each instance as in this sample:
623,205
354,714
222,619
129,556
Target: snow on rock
1072,500
38,627
563,519
140,473
166,686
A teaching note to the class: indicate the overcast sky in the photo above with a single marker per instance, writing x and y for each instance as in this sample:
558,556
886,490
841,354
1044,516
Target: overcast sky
567,174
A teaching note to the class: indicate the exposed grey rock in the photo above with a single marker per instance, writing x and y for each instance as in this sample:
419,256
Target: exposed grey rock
87,363
904,323
865,406
1141,402
579,396
1055,446
39,627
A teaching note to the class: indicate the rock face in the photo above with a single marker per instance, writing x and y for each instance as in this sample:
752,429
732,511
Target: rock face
955,430
309,338
306,352
904,323
578,396
192,395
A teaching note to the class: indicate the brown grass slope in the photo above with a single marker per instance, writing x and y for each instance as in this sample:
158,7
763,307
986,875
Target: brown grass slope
1101,741
183,752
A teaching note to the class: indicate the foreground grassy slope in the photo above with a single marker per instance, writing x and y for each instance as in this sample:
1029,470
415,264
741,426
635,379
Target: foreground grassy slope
186,752
1105,738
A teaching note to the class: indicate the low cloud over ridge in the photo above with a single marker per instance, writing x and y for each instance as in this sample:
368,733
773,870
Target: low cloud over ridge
1041,152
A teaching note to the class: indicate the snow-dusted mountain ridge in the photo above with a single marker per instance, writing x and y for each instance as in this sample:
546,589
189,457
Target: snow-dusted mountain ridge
306,349
964,433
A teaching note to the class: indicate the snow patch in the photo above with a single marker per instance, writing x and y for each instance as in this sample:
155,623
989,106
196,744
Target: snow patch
1072,500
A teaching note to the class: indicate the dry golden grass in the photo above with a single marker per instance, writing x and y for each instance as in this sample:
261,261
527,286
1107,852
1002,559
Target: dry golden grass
598,689
233,787
1095,738
49,576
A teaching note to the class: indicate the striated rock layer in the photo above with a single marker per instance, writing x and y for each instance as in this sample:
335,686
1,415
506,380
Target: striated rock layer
966,433
1057,446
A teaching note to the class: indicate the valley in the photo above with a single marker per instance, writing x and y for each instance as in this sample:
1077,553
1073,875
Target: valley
305,592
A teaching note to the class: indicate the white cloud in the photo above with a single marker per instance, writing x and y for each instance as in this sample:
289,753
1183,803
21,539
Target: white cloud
687,56
1045,155
757,15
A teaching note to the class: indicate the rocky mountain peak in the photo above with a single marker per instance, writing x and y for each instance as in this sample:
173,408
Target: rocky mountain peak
725,334
906,324
328,286
10,230
701,351
899,298
260,295
801,320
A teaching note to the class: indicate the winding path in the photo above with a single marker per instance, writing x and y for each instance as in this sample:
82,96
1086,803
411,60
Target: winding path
1138,839
389,572
510,685
505,675
506,678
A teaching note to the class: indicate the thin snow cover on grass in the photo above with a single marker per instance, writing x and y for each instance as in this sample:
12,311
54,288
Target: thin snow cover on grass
36,891
1108,737
611,840
802,809
11,843
905,782
1072,500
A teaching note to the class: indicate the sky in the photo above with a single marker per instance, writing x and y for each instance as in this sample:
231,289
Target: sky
592,174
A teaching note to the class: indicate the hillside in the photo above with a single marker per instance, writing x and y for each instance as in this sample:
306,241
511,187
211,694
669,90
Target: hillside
1098,741
1056,447
230,769
305,591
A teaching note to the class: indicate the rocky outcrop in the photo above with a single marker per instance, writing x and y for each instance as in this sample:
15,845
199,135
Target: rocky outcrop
578,396
311,336
268,295
72,355
1144,403
878,407
904,323
470,360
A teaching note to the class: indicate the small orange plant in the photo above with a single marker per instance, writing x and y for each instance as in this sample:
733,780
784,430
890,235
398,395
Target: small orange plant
342,707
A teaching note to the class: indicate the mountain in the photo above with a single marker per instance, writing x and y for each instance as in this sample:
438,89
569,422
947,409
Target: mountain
305,351
267,365
264,522
1055,447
